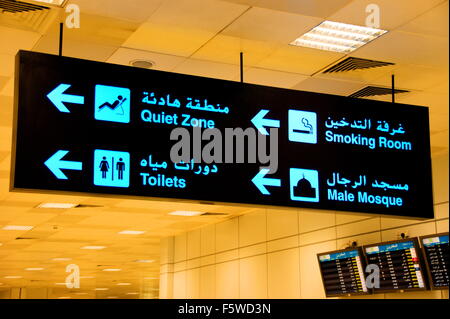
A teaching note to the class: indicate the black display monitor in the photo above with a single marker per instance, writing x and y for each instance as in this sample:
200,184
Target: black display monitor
400,265
343,272
435,251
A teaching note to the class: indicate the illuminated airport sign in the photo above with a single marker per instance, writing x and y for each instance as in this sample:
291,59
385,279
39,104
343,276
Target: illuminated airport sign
98,128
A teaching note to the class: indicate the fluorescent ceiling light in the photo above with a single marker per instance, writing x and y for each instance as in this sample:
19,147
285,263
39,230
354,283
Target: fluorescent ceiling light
338,37
112,269
144,261
57,205
101,289
131,232
17,227
112,297
34,269
185,213
93,247
12,277
124,284
132,293
64,297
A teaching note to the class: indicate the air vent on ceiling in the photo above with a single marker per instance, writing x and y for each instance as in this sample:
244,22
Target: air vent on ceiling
213,214
28,16
87,206
19,6
351,63
375,90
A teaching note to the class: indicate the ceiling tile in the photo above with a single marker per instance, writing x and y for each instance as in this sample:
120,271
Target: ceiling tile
392,13
162,62
432,22
96,39
208,69
435,101
440,139
439,122
407,48
132,10
299,60
272,78
8,89
14,40
413,77
314,8
7,62
226,49
180,27
272,26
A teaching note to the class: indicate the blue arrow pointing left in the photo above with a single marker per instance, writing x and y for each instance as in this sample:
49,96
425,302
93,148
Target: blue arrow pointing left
57,97
260,122
55,164
261,181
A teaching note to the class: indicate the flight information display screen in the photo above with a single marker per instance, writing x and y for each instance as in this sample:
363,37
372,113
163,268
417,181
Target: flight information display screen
435,248
399,264
343,272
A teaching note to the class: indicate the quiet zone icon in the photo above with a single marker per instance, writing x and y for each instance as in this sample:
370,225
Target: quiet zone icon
112,104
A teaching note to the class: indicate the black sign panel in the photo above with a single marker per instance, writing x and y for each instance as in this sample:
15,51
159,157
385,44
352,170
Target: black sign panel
436,252
343,272
84,126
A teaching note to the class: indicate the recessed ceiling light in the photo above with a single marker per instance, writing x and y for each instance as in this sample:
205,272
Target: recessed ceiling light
112,269
185,213
124,284
338,37
57,205
142,63
93,247
144,261
12,277
101,289
61,259
17,227
64,297
34,269
131,232
112,297
132,293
